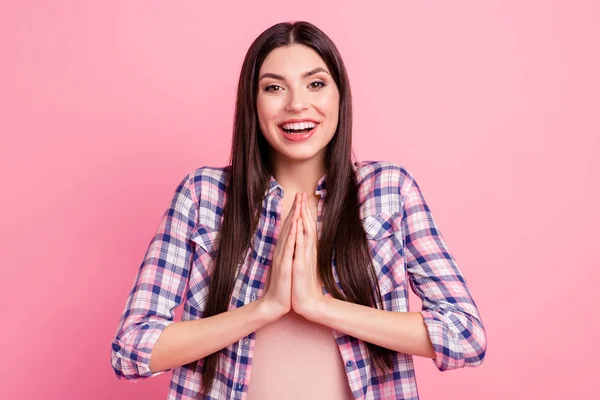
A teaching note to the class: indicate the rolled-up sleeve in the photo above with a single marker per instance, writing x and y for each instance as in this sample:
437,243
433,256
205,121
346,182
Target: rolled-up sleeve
449,312
158,287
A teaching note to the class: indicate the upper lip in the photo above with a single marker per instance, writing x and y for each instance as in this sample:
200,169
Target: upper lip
297,120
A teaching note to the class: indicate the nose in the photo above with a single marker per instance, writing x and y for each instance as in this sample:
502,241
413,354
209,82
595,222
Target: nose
296,101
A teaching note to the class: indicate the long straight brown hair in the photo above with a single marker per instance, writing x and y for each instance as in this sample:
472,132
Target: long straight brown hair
248,179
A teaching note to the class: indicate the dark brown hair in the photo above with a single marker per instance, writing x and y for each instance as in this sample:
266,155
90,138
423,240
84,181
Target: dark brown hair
248,179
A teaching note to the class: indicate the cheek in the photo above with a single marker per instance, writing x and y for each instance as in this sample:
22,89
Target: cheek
260,107
262,110
329,106
268,109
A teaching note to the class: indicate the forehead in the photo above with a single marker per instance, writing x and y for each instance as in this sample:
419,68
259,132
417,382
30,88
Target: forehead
292,60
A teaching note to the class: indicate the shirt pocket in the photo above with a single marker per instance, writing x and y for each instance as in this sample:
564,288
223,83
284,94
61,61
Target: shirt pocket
203,264
384,234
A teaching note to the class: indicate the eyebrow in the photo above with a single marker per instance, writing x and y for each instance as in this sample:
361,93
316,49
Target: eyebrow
305,75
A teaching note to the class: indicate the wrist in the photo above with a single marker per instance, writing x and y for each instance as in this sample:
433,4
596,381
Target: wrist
267,311
317,311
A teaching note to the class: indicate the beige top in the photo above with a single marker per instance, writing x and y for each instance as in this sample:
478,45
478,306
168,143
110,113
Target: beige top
295,358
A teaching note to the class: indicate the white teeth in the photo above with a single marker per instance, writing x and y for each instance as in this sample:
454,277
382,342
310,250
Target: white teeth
299,126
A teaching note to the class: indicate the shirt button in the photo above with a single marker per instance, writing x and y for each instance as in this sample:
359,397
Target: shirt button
273,220
349,363
239,385
246,340
262,259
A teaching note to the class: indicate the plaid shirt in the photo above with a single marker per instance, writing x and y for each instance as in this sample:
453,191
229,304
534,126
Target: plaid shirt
406,246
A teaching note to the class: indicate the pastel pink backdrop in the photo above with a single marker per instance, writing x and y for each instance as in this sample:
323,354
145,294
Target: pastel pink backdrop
493,107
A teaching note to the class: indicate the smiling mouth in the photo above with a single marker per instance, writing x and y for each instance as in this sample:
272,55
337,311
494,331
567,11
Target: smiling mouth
298,131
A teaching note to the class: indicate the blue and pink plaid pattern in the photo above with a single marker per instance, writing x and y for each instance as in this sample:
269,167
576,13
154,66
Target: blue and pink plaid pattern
407,250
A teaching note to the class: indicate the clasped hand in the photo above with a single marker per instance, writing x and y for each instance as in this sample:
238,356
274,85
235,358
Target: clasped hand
293,282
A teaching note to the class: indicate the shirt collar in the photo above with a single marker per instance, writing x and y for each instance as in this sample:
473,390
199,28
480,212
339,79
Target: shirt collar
275,186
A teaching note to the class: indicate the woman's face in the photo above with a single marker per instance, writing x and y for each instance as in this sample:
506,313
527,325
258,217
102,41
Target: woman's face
295,85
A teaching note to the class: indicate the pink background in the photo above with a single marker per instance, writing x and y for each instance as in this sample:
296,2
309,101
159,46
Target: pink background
104,106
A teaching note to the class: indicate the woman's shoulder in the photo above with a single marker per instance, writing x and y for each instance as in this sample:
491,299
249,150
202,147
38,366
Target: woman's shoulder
380,174
208,186
383,186
209,177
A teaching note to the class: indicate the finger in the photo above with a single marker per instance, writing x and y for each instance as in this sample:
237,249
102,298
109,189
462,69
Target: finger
285,233
309,214
299,252
307,220
313,224
287,223
288,252
294,204
297,209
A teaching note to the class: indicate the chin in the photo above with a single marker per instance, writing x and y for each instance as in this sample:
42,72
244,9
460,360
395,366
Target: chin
298,155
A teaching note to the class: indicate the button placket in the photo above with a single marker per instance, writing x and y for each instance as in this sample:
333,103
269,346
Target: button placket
247,337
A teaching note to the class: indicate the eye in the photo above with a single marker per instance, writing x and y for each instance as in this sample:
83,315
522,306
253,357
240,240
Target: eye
268,88
316,87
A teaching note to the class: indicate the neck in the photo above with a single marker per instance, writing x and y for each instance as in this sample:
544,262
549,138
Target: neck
298,176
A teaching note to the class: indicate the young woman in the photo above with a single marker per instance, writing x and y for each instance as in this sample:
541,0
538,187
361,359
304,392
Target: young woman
295,261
